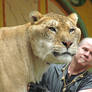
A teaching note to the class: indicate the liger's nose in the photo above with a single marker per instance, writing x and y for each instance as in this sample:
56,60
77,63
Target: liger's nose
67,44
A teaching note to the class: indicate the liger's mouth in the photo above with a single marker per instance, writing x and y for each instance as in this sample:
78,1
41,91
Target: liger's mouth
60,54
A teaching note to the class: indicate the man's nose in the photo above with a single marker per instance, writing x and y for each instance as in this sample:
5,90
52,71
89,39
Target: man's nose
86,54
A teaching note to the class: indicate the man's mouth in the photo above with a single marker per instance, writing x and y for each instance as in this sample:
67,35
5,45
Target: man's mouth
60,54
82,59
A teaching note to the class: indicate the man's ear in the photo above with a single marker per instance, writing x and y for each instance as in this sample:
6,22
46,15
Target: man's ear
34,16
74,18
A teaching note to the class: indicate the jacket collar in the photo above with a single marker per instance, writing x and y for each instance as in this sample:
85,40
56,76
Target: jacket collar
58,68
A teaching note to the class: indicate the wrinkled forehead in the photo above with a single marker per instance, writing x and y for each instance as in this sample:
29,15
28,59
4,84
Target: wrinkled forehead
86,42
86,45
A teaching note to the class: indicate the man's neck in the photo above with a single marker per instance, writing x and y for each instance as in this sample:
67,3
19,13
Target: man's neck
75,68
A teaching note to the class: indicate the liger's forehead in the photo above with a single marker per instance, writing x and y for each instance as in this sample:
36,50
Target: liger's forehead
58,19
57,22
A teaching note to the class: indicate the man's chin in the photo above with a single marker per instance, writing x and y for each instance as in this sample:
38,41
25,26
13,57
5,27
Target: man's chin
82,62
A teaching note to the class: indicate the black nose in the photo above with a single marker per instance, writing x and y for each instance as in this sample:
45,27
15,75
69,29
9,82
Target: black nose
67,44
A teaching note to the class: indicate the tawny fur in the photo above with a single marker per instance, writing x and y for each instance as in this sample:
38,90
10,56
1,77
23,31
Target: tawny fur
26,49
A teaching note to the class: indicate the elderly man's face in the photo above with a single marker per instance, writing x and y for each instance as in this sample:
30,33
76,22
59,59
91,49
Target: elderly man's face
84,54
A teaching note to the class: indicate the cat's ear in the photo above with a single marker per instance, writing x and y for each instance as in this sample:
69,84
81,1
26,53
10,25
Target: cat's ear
73,17
34,16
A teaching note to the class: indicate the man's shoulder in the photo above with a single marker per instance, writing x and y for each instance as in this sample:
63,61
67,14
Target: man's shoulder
57,66
86,82
88,76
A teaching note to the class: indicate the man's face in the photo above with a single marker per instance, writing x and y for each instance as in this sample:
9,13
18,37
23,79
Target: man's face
84,54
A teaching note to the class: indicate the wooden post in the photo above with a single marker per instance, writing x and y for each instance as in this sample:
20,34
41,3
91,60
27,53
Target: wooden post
43,6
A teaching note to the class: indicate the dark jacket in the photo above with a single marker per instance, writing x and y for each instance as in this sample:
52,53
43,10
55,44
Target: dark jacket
52,80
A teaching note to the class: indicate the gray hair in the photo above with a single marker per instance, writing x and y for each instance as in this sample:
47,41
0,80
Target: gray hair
87,39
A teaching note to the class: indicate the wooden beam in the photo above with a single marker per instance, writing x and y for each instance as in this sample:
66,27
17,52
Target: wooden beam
43,6
1,14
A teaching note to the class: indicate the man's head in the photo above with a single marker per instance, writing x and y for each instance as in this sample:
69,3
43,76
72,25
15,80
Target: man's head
84,53
86,40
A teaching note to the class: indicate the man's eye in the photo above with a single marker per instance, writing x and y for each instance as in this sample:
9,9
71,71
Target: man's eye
52,29
91,53
85,49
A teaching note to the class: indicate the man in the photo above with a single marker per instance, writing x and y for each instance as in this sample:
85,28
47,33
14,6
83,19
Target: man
72,77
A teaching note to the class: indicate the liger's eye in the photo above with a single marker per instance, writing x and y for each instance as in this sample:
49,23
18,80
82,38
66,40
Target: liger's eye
52,29
71,30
